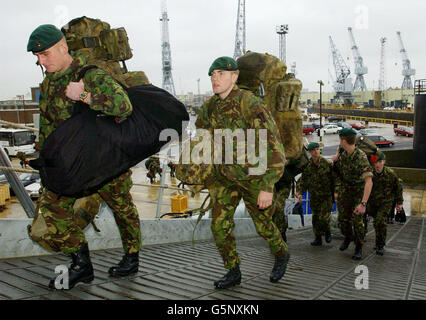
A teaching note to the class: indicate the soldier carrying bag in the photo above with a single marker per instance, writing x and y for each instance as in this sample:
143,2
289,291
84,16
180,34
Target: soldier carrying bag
89,149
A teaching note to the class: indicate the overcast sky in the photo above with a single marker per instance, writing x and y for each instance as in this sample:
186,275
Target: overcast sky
202,30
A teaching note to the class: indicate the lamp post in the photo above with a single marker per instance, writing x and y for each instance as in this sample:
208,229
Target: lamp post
320,127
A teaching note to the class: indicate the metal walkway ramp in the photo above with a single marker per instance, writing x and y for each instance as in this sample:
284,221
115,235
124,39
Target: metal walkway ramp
179,271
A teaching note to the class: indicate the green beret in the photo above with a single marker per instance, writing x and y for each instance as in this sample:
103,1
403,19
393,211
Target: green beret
347,132
381,156
313,145
44,37
223,63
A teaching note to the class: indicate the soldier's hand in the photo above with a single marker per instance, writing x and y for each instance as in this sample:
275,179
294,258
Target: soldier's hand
74,89
398,207
264,200
360,210
335,196
299,197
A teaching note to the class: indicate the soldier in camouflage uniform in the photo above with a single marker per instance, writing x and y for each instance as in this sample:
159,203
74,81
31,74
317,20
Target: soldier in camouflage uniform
172,167
353,175
153,168
387,188
317,178
233,108
59,92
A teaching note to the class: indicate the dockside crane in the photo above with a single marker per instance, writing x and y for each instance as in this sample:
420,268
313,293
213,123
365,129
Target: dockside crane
343,83
360,69
240,35
166,55
407,71
382,78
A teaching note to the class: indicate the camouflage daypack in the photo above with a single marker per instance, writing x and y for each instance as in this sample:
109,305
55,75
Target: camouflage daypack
265,75
103,47
85,211
368,147
192,169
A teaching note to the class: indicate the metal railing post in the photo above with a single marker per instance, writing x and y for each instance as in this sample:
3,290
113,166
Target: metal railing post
17,185
160,192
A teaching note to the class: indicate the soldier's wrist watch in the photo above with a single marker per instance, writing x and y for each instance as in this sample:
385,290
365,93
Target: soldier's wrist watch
83,95
364,204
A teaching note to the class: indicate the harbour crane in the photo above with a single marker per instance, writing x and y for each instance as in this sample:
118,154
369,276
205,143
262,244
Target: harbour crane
343,83
360,69
168,84
240,35
407,71
282,31
382,78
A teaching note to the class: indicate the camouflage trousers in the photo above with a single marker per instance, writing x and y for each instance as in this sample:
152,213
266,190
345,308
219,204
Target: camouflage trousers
321,214
379,214
226,196
279,218
68,237
351,225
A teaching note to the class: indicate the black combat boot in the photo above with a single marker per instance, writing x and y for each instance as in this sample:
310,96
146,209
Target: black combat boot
279,268
128,265
358,253
81,269
345,244
232,278
284,236
380,250
327,236
317,242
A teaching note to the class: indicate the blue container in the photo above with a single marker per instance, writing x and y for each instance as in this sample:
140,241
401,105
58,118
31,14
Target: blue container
307,204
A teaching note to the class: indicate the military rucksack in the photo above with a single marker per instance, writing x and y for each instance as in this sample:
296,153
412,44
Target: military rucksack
265,75
103,47
85,211
192,169
368,146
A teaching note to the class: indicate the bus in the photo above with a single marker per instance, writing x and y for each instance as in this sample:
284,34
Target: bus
17,140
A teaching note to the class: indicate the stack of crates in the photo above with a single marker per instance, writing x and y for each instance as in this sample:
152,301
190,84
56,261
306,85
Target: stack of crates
4,194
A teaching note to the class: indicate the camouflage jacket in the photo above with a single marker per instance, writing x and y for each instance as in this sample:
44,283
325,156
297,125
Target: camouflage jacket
107,96
317,179
351,170
243,110
387,187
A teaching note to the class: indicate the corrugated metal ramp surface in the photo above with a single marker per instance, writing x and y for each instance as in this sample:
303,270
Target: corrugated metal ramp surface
179,271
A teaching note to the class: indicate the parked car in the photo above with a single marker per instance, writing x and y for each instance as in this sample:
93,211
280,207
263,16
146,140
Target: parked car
26,179
357,125
332,129
308,129
367,132
33,190
335,119
404,131
316,126
389,108
314,116
344,125
381,141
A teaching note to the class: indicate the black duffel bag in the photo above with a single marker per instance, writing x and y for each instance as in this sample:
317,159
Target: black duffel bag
90,148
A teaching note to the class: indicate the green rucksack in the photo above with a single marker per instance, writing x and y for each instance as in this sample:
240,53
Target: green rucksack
265,75
368,146
103,47
85,211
